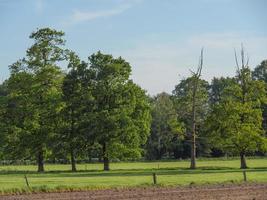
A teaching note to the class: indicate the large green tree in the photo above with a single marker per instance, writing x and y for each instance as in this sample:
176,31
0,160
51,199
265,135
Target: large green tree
122,114
78,105
236,121
35,94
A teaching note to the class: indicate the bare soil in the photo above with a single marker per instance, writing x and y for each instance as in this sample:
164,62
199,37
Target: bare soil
219,192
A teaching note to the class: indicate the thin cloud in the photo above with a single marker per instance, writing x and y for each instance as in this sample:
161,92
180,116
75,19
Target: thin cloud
83,16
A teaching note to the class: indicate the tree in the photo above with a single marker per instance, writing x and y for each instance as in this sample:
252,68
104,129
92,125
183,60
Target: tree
122,114
78,106
35,92
165,127
236,122
191,97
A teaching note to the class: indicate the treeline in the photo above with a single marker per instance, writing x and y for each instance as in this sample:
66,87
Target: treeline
94,110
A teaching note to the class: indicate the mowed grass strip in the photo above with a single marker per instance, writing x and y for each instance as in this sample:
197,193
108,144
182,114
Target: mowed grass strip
131,174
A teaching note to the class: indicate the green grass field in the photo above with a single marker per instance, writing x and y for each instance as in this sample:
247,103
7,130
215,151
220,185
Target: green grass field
130,174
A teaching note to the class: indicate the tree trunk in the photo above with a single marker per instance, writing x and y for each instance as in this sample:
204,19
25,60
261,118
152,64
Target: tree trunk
72,153
105,157
73,161
40,160
243,161
196,77
193,152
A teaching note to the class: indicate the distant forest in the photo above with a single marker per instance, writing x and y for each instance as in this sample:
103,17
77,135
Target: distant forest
95,112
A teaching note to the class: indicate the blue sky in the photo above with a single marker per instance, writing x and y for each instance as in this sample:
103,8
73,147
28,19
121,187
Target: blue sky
160,38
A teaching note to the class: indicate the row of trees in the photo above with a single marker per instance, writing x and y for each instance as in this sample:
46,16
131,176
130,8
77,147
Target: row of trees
94,110
48,112
225,117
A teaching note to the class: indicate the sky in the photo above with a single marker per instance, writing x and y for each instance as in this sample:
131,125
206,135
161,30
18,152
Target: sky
161,39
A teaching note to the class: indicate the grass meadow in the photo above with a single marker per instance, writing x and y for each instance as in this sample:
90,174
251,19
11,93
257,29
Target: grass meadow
128,174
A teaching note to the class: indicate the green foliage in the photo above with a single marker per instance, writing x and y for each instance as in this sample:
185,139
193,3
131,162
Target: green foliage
34,99
166,130
217,87
260,72
236,121
183,98
121,117
47,49
3,105
78,104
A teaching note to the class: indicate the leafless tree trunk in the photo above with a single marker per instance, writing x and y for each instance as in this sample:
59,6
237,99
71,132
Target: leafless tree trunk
196,77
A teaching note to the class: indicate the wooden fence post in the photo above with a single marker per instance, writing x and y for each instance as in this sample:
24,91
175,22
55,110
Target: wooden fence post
26,179
245,175
154,178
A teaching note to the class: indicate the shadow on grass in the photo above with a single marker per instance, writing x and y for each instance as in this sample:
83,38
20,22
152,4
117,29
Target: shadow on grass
132,172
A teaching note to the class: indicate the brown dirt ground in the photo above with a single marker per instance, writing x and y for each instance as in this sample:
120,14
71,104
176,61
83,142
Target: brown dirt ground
219,192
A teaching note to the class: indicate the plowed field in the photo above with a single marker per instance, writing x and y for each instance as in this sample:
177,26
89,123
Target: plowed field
233,192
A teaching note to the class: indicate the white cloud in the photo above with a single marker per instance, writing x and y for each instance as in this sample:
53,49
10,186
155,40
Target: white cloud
82,16
158,65
79,15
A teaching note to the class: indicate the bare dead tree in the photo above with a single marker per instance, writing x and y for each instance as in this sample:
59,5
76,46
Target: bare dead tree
196,77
